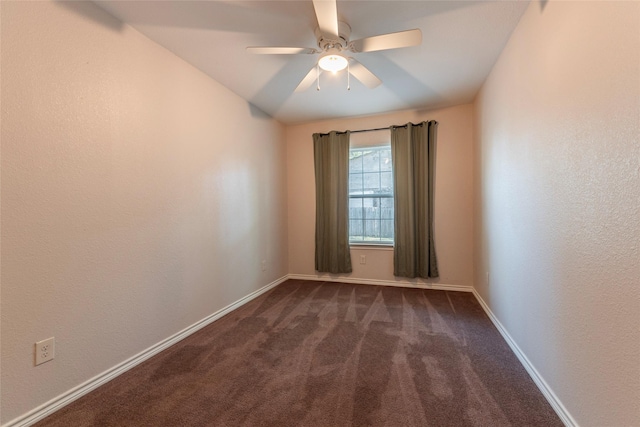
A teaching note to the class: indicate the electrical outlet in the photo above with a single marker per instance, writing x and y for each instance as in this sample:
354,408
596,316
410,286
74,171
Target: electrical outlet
45,350
363,259
264,265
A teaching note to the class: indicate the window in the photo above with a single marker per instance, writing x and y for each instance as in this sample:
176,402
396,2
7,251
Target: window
370,195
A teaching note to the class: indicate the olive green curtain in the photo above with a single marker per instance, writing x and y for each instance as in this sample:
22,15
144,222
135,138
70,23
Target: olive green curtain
331,157
413,155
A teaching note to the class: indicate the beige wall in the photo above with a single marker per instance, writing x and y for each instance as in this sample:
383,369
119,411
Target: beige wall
558,202
453,205
138,196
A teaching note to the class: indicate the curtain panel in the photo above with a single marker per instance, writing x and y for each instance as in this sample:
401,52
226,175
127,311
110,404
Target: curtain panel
413,156
331,160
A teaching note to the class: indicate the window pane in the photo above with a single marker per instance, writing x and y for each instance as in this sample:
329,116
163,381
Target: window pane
355,183
386,202
355,208
372,230
386,182
386,208
386,229
371,183
371,161
355,161
355,230
385,160
372,212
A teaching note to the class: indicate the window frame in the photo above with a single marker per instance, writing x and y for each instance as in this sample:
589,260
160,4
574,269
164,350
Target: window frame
383,243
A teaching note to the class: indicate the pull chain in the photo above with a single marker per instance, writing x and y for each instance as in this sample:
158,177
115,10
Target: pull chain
348,76
318,77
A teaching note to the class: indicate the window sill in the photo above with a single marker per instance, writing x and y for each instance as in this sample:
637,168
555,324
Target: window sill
372,246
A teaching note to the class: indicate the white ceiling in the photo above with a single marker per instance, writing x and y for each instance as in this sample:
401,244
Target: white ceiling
461,41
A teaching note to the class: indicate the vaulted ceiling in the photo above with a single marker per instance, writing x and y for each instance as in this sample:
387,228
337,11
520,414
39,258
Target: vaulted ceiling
461,41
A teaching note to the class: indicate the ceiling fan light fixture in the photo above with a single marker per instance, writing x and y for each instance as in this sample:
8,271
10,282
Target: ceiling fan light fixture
333,63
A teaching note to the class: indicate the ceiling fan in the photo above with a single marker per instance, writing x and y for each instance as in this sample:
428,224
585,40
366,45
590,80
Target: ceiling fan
334,44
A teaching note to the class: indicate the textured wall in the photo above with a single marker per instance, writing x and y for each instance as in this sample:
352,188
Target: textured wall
138,196
453,206
558,198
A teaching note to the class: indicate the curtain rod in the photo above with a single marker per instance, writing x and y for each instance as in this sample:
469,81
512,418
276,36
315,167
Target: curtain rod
363,130
374,129
358,131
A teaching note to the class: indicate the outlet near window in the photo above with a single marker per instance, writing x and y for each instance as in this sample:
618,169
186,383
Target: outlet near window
45,350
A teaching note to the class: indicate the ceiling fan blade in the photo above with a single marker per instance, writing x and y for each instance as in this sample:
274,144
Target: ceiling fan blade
363,74
308,80
387,41
273,50
327,14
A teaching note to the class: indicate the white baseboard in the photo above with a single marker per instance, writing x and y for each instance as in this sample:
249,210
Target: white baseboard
66,398
398,283
547,392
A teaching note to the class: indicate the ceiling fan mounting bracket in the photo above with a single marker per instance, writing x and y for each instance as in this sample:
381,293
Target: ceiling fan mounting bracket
325,43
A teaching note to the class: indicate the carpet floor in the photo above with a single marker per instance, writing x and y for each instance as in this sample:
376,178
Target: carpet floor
328,354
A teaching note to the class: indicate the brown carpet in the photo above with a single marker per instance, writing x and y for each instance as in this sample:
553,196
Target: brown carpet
328,354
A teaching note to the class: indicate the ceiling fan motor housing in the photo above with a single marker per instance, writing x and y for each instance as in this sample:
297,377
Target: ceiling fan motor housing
344,31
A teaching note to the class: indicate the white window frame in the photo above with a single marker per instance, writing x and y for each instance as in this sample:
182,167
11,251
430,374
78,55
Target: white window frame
381,242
